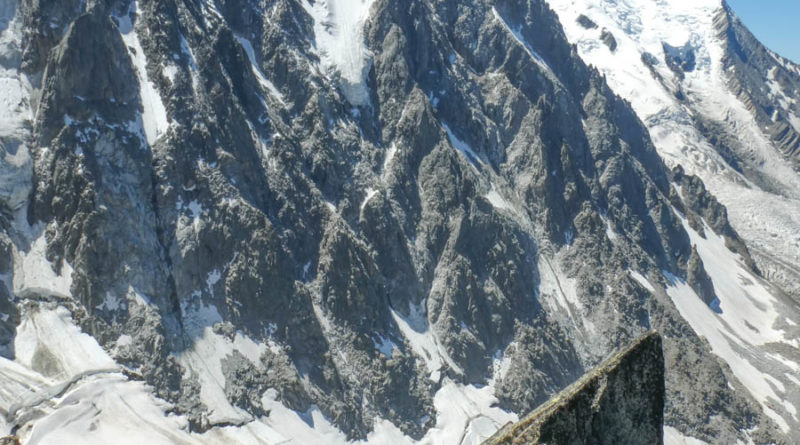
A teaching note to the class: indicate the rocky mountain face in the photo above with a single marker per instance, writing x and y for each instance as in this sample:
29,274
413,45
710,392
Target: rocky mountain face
706,89
768,86
772,103
261,221
621,401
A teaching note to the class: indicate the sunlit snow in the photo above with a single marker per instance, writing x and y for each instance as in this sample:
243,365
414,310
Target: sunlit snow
745,320
34,274
339,37
770,223
424,341
675,437
154,115
262,79
16,168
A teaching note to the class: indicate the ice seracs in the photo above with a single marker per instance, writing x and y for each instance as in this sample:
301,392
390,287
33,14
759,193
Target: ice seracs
332,156
643,28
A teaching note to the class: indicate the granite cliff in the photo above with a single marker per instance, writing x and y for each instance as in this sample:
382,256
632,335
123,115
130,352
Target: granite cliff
348,220
620,401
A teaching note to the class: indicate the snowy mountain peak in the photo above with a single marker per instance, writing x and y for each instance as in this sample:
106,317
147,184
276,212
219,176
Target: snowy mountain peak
706,90
367,222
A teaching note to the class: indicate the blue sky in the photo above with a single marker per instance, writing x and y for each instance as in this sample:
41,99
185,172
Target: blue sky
774,22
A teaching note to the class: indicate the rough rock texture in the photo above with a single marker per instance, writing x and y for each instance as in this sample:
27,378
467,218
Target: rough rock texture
748,63
685,80
9,440
586,22
702,209
768,85
698,278
620,401
493,195
11,319
608,38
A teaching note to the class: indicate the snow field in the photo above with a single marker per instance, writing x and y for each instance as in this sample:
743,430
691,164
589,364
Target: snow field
744,326
339,37
768,222
33,274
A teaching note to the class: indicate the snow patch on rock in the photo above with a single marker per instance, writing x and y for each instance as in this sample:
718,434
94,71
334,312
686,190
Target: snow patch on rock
369,195
465,415
266,85
497,200
154,115
34,274
463,148
339,37
48,342
516,33
642,280
769,222
742,324
674,437
384,345
424,342
203,359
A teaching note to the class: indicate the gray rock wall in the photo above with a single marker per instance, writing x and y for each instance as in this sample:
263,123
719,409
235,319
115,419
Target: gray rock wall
296,219
620,401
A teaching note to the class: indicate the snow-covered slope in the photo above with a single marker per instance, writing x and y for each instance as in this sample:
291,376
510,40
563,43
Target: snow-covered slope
281,267
339,40
15,113
746,327
71,391
64,388
154,119
639,72
670,61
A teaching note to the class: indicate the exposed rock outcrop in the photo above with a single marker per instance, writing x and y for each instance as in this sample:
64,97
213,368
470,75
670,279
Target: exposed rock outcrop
235,225
608,38
619,402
